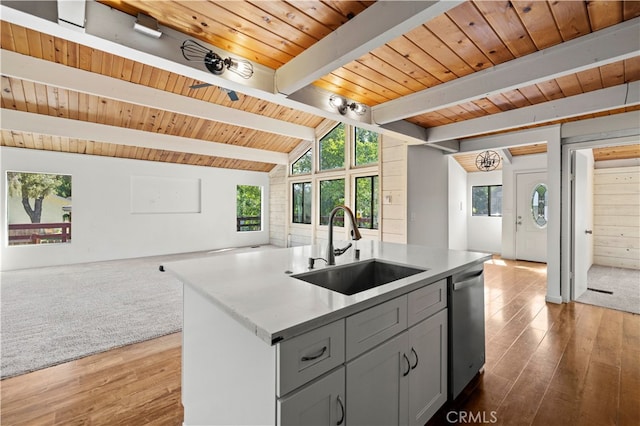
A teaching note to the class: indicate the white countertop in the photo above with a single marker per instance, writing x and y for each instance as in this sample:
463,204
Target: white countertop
255,287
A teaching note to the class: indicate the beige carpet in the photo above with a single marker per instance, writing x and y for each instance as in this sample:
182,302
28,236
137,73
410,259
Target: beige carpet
615,288
57,314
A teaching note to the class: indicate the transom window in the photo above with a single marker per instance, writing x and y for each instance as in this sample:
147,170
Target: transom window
366,147
302,165
331,149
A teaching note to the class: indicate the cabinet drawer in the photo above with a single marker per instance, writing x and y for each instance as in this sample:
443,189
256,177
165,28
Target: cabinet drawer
375,325
307,356
426,301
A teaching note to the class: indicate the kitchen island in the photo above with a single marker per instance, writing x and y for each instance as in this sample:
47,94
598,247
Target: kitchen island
261,346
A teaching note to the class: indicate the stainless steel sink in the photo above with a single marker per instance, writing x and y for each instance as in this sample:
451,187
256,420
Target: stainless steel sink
356,277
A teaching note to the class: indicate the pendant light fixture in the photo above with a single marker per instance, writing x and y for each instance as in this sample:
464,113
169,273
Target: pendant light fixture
487,161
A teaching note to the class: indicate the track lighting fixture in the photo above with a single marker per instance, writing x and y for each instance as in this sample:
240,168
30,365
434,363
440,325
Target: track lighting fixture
194,51
343,105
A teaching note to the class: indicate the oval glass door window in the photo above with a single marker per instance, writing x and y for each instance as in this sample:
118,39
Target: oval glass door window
539,205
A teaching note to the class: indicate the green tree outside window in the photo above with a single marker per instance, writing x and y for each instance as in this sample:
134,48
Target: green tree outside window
366,147
301,202
332,149
331,195
367,202
486,200
302,165
248,208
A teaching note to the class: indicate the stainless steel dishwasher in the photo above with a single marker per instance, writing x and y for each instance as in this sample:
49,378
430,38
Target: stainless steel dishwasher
466,327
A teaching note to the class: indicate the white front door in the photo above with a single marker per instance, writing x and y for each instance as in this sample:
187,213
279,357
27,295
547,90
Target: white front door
531,216
582,220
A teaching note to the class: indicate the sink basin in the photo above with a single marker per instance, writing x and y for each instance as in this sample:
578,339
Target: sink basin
356,277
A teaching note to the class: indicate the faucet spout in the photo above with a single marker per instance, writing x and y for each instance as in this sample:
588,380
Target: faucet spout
355,233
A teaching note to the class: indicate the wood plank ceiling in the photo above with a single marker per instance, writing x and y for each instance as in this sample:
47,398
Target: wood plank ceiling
468,38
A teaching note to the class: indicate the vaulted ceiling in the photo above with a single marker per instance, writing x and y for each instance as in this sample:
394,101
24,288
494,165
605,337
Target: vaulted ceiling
429,72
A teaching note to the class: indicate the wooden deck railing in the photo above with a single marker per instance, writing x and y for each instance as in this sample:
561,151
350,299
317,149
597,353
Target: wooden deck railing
249,223
19,233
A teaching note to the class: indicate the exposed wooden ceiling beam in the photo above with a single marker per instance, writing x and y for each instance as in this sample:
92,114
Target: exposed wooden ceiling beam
71,14
596,49
378,24
111,31
539,135
56,75
55,126
586,103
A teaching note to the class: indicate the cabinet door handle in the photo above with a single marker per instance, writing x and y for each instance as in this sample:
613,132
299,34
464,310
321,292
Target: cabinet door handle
342,410
408,365
416,355
312,357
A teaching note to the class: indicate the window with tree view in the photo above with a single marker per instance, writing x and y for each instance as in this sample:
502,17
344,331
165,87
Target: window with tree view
367,202
331,195
331,149
248,208
486,200
301,202
38,208
366,147
302,165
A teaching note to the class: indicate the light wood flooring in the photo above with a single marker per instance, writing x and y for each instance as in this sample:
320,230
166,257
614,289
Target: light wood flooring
547,364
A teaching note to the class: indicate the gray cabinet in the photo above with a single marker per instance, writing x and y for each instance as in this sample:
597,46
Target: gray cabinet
384,365
428,377
402,381
319,403
377,387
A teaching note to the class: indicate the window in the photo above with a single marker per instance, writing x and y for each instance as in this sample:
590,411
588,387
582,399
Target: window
367,202
248,208
486,200
366,147
38,208
539,205
331,149
331,195
301,202
302,165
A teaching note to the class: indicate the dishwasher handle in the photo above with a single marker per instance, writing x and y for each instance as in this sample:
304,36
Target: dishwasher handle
467,280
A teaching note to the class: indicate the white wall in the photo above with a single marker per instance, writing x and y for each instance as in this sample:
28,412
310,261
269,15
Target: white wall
484,233
427,197
104,226
278,206
458,206
519,164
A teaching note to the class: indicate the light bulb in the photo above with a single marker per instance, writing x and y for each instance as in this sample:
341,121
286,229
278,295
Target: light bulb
239,66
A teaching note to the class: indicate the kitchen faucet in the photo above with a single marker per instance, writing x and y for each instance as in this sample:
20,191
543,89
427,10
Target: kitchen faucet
355,234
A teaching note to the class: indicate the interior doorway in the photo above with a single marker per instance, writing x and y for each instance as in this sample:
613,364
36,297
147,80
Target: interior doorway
531,216
605,213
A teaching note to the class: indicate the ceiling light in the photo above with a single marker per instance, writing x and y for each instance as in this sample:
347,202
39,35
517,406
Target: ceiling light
194,51
147,25
487,161
343,105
